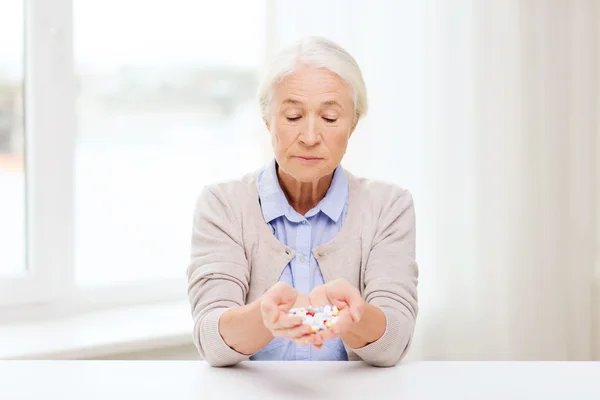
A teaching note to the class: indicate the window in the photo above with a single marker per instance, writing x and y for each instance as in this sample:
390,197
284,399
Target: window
130,108
12,165
162,110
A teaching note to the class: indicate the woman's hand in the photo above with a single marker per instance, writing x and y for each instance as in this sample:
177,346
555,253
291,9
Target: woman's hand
276,303
347,299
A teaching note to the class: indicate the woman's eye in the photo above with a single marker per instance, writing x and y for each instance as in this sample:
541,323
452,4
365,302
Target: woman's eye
292,119
330,120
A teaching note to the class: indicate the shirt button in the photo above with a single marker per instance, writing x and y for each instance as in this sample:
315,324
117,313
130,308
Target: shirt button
304,222
301,258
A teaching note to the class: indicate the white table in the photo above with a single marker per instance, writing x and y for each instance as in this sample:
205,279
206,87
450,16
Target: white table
182,380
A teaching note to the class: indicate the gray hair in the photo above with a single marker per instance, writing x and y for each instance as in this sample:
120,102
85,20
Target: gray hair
317,52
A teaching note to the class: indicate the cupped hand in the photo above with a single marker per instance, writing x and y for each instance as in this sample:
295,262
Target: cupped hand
347,299
276,303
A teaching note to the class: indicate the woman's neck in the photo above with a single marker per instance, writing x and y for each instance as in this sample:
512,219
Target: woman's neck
303,196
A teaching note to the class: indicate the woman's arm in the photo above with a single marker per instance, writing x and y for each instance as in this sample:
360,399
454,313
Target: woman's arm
226,330
391,277
368,330
243,330
218,279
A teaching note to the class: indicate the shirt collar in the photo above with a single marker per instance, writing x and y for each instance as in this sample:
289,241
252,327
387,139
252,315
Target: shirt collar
274,203
335,199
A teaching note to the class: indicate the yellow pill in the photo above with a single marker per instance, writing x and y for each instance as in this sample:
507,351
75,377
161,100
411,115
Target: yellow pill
336,312
328,324
314,329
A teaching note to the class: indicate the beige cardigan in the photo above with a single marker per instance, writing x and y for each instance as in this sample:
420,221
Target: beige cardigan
235,258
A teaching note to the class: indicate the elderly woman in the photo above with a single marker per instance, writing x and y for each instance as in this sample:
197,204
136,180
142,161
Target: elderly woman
303,231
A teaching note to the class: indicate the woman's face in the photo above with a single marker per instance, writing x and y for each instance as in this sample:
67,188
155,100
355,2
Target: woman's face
311,120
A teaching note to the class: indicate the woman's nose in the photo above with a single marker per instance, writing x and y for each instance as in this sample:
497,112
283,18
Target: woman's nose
310,134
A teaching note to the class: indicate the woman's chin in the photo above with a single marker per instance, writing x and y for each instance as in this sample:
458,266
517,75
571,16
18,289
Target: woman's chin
306,176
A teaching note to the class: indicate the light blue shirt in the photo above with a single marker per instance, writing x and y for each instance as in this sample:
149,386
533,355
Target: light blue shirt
302,233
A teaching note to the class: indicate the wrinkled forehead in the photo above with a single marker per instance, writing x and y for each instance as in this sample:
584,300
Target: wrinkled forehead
313,88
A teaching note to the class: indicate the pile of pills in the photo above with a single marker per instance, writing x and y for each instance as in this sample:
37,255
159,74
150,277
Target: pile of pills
319,318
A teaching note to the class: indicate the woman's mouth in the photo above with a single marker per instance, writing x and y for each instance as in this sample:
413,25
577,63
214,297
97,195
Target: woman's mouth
308,158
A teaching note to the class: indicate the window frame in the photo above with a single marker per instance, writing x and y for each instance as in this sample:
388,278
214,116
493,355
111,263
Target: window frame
49,128
48,286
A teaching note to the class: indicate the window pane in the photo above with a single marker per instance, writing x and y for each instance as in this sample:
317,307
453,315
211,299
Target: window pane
12,171
166,104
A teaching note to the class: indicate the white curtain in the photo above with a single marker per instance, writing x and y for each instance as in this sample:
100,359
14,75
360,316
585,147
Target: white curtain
488,112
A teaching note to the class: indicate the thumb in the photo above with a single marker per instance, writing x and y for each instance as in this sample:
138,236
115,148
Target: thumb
355,313
270,311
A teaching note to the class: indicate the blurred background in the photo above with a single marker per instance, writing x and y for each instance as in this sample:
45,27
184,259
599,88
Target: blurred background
114,114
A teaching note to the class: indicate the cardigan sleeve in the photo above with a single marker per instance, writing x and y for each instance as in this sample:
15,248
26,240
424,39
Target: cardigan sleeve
391,276
218,277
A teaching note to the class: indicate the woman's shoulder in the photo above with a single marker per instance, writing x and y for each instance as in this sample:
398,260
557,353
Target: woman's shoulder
377,193
237,188
230,194
380,205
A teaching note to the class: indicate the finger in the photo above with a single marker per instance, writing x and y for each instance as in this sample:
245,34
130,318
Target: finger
284,292
338,329
344,320
319,299
326,335
305,340
282,295
285,295
321,296
349,295
301,300
317,340
355,313
293,333
286,321
270,312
